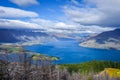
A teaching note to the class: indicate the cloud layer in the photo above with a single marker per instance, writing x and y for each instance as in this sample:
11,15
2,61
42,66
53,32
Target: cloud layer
95,12
18,24
8,12
70,28
81,19
50,26
24,2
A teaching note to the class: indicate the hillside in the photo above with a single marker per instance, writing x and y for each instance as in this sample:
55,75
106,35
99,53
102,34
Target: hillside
20,35
105,40
111,72
95,66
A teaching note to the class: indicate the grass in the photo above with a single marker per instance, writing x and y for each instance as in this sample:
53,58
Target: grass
113,72
86,67
11,49
19,49
44,57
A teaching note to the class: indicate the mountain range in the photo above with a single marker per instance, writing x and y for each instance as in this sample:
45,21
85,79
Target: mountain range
34,35
105,40
23,35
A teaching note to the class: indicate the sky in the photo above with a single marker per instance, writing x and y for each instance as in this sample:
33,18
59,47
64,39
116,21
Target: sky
61,16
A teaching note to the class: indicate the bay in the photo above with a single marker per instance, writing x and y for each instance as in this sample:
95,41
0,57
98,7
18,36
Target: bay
70,52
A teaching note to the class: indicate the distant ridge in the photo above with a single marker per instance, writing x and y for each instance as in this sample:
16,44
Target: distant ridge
29,36
105,40
20,35
108,34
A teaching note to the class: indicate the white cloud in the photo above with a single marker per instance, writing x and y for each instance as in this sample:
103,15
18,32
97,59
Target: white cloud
62,25
8,12
71,28
17,24
82,15
51,26
75,2
24,2
95,12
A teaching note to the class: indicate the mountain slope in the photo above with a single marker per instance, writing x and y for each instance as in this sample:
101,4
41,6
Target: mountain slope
105,40
21,35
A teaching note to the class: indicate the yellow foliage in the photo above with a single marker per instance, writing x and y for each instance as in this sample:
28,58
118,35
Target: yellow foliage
112,72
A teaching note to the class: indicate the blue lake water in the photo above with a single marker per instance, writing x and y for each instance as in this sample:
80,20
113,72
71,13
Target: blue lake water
70,52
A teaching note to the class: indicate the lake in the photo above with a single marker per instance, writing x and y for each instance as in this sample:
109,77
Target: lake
70,52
